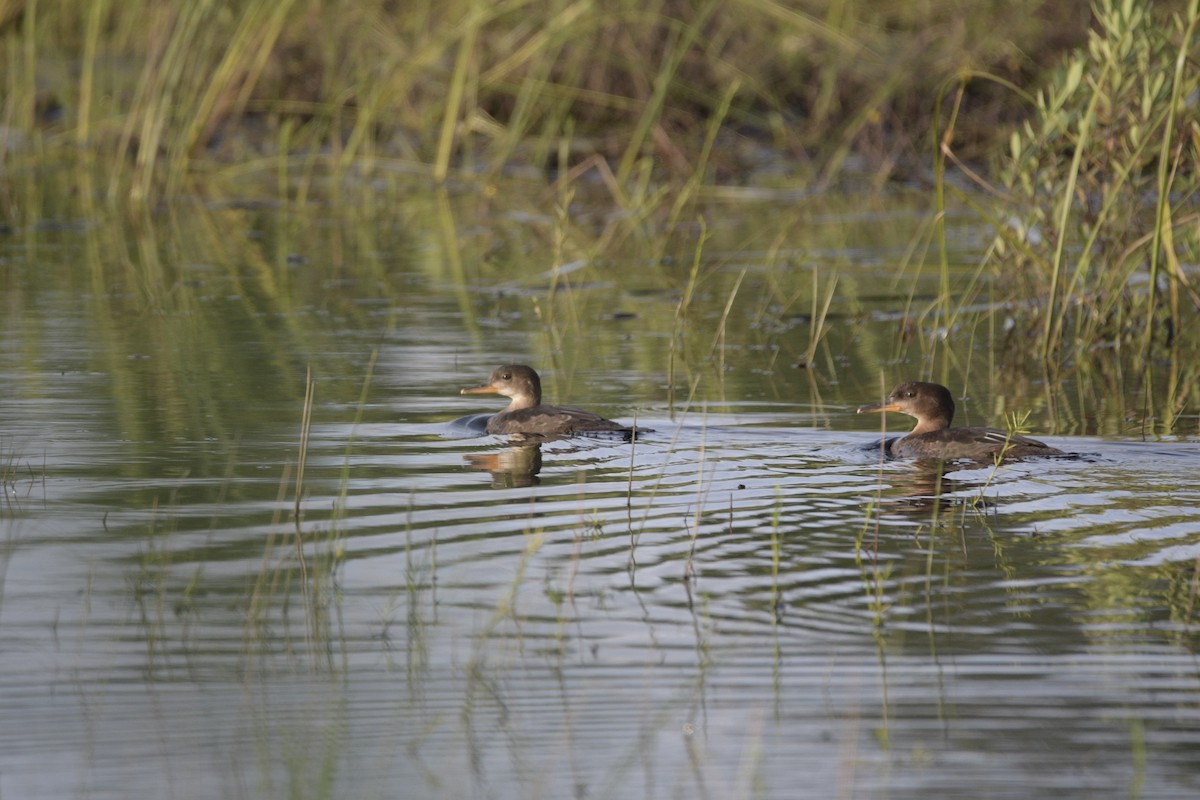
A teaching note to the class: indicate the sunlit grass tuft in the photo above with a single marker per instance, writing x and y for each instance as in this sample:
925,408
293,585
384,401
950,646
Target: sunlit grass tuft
1097,191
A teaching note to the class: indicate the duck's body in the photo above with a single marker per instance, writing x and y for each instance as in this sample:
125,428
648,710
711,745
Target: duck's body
527,414
976,444
933,407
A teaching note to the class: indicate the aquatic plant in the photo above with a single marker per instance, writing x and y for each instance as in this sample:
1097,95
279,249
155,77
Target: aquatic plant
1100,190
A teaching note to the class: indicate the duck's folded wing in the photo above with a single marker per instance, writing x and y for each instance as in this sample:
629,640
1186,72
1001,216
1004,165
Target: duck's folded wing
551,421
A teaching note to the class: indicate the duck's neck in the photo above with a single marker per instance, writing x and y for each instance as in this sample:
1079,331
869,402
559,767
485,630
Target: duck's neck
519,402
930,425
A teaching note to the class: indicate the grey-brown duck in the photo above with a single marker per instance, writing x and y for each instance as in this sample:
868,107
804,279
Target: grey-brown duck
933,408
527,414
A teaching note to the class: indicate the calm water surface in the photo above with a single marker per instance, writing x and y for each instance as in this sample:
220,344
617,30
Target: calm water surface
745,603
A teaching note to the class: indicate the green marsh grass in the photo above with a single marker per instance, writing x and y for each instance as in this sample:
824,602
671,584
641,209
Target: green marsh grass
679,326
876,581
297,557
177,89
690,574
14,468
776,557
874,575
420,602
1100,190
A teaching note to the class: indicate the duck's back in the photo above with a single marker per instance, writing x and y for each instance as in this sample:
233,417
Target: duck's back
977,444
543,420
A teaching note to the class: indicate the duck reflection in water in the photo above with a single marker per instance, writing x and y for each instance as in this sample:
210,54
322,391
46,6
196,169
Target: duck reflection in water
513,467
928,487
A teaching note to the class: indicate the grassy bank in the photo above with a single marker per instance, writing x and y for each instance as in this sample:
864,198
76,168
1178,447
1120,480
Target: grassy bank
160,90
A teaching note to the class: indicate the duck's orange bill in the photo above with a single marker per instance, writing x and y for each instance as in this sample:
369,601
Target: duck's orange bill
880,407
487,388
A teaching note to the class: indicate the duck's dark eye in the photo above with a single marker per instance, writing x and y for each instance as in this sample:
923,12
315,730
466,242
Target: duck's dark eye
506,376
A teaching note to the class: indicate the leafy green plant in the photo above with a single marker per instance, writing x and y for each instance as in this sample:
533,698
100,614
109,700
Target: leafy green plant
1100,186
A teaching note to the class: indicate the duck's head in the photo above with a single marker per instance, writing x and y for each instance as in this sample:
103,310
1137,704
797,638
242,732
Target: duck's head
930,403
515,381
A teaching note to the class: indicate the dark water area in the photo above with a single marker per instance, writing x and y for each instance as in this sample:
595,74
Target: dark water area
746,602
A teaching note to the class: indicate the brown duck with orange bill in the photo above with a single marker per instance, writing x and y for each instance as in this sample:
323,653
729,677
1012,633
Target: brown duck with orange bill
933,437
526,414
